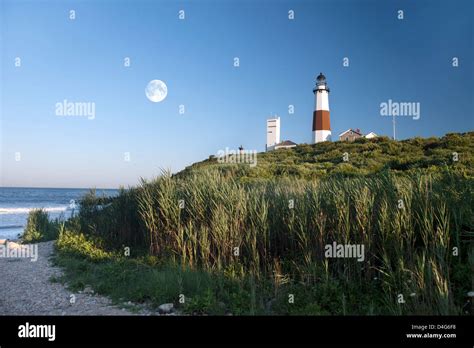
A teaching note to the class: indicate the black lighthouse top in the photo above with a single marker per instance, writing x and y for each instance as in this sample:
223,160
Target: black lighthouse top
320,81
321,78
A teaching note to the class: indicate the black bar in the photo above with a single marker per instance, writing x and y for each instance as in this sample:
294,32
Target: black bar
167,330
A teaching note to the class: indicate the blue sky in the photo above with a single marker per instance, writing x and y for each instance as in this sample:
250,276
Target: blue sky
81,60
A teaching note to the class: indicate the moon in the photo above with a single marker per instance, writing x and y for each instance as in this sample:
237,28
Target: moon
156,91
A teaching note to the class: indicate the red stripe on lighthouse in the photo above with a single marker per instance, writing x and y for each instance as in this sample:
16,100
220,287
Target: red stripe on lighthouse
321,120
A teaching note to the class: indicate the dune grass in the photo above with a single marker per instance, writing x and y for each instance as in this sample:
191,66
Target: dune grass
250,240
249,246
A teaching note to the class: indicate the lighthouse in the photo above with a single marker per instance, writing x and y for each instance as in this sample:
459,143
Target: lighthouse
321,124
273,133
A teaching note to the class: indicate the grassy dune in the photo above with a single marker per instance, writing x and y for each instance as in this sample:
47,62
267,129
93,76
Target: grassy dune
241,240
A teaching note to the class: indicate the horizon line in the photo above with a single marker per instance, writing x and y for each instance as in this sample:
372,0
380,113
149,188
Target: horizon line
59,188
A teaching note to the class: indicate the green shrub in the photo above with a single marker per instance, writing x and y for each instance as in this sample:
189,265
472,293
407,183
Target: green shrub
39,228
78,244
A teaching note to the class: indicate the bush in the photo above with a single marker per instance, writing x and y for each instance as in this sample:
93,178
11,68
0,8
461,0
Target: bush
39,228
77,244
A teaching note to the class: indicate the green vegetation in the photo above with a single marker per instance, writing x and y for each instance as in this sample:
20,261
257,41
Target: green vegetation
39,228
143,279
365,157
229,240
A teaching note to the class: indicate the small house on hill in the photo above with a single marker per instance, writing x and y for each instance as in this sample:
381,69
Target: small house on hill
350,135
285,145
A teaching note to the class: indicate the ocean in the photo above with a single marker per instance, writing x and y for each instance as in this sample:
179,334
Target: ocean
16,203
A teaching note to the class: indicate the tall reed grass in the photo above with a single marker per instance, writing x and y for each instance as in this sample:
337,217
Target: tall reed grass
278,229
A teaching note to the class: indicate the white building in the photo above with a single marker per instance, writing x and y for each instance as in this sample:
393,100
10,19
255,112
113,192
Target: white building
273,133
371,135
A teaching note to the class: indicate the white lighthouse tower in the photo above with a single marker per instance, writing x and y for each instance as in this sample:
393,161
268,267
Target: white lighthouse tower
321,121
273,133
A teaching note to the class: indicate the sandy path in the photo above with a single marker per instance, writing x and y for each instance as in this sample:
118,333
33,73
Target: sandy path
26,289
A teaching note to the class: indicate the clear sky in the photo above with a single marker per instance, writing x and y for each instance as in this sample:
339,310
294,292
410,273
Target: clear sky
82,60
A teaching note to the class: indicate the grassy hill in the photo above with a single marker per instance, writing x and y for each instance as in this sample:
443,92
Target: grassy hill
365,156
238,239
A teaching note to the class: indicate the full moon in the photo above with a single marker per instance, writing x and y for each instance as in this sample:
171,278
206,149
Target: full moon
156,91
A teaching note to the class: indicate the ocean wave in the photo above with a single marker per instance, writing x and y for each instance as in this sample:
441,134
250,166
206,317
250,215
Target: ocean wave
11,226
7,211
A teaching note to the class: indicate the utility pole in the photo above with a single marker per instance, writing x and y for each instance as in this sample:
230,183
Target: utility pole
393,121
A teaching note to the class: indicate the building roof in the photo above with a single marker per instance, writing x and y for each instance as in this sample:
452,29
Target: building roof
286,143
357,131
321,77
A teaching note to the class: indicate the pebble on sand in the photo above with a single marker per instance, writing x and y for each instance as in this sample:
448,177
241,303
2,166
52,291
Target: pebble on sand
166,308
